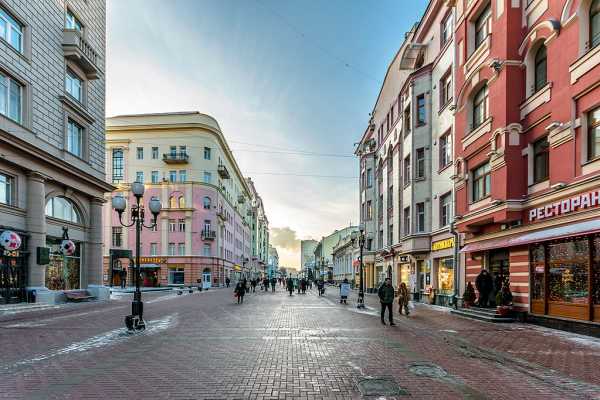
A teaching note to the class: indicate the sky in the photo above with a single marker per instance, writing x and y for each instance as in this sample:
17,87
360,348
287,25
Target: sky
280,77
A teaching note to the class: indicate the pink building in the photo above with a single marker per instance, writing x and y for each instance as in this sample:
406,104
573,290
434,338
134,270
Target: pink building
203,231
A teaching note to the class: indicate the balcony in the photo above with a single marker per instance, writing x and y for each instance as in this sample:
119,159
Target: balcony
241,199
223,172
221,215
176,158
208,235
79,51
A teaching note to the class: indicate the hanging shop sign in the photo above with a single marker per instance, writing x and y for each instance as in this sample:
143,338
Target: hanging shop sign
578,202
403,259
442,244
153,260
10,242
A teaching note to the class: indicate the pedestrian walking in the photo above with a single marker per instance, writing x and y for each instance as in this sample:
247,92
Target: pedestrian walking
245,285
386,298
344,291
303,286
297,283
403,298
290,286
227,281
484,285
321,287
253,283
273,283
240,291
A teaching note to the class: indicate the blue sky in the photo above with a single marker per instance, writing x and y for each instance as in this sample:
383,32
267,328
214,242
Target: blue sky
280,75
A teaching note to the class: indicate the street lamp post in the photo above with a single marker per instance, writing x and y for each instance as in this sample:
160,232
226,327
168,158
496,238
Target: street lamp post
360,237
135,321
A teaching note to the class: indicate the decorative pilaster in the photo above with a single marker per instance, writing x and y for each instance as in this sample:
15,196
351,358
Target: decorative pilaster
36,226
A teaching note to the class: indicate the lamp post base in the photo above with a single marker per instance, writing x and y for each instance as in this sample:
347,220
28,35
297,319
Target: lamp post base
134,323
361,301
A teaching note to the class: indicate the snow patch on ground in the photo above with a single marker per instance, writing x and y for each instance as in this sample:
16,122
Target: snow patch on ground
582,340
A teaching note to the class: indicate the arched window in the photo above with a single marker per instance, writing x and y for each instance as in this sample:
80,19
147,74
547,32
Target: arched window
172,202
181,202
595,23
480,106
63,208
540,70
206,202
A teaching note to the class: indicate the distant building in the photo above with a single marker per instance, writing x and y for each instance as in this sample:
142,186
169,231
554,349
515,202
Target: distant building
273,263
307,255
324,253
259,227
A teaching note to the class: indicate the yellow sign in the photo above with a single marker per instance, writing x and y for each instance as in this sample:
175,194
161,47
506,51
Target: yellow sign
237,268
442,244
153,260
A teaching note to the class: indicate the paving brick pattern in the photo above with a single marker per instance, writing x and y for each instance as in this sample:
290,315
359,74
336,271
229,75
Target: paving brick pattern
203,346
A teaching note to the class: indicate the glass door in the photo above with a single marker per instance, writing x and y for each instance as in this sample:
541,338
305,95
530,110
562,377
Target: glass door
499,269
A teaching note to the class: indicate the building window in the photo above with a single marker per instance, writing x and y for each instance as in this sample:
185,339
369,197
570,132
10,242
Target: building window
172,176
11,98
421,114
11,30
595,23
155,153
181,202
369,178
594,134
540,68
391,235
207,153
117,165
407,120
139,176
62,208
420,217
482,182
445,150
139,153
207,177
207,226
117,236
206,202
155,178
176,275
446,29
445,89
74,138
74,85
369,210
172,225
181,249
407,221
182,176
482,26
406,176
480,106
153,249
6,189
445,209
181,225
541,160
206,250
173,151
71,22
421,163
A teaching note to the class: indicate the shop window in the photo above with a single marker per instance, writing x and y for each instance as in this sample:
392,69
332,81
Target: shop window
446,276
596,273
424,274
568,268
541,160
176,275
538,266
62,208
594,134
63,272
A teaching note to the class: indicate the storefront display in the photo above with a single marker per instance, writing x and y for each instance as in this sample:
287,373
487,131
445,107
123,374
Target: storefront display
63,271
176,275
13,268
446,276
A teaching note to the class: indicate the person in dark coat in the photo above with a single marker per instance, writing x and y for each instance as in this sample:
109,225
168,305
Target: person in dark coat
240,291
290,285
253,283
484,285
245,285
403,298
386,298
227,281
273,283
303,285
321,287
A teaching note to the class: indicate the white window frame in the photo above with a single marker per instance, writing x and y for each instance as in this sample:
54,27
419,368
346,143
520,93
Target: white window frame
12,27
72,141
8,184
74,85
7,85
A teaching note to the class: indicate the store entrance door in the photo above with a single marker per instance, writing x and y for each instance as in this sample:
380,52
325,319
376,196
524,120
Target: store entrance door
206,279
13,277
499,269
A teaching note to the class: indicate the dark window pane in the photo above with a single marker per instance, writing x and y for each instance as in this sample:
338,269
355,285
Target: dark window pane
568,267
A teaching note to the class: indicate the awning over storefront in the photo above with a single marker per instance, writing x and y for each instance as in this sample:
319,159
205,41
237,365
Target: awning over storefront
149,266
559,232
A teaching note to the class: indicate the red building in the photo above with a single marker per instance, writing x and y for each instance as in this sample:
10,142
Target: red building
527,164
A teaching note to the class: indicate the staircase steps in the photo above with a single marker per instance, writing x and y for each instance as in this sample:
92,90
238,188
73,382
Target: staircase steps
482,314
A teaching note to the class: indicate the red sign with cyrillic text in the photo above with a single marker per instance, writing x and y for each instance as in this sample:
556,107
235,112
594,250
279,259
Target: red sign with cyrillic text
578,202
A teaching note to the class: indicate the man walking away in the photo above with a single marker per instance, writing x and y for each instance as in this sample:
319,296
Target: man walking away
344,291
403,298
253,283
321,287
273,283
386,297
290,286
227,281
240,291
484,285
303,285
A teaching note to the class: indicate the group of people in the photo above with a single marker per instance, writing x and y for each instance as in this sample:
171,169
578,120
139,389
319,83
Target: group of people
387,294
488,288
299,284
244,286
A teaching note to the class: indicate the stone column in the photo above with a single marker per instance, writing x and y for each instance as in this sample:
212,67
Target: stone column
93,259
36,227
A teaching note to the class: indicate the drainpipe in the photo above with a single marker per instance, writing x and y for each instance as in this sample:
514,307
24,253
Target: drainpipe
456,265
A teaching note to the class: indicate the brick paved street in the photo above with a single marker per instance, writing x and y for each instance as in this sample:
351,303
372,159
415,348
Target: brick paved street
203,346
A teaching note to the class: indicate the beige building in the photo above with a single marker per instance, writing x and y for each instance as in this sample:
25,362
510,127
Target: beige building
52,146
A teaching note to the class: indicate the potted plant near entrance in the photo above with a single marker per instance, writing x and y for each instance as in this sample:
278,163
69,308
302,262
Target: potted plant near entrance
504,301
469,295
